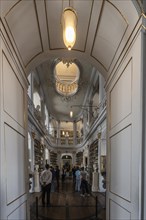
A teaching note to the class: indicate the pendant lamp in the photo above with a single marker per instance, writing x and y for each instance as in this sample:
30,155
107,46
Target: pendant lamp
69,23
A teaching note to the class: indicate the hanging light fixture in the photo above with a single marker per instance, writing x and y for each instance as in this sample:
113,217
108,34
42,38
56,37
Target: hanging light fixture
69,23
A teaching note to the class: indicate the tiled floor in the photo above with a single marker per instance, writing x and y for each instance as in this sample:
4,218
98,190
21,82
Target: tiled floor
66,204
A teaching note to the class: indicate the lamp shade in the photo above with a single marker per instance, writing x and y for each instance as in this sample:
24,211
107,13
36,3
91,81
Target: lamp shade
69,23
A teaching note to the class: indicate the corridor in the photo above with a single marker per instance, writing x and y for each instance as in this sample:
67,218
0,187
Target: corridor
77,104
66,204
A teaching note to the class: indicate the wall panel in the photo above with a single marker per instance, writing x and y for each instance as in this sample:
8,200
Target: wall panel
118,212
13,91
19,213
15,169
120,96
120,180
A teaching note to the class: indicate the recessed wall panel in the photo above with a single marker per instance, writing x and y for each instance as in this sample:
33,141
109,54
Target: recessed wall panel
24,27
15,170
19,213
104,47
118,212
120,96
13,91
120,179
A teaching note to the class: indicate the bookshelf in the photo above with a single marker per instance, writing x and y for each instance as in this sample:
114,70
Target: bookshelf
79,158
39,154
93,157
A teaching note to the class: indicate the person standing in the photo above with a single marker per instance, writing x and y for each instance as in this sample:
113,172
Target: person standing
45,180
78,180
57,175
84,183
73,173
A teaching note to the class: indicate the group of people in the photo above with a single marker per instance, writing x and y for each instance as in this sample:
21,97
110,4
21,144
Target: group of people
80,177
50,175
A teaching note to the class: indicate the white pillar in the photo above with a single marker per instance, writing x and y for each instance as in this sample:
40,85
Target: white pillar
36,180
94,179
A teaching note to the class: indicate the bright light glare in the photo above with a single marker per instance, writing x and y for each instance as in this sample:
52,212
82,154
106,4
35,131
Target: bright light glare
71,114
70,34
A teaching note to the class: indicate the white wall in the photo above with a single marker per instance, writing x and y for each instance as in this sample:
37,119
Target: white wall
124,138
13,136
144,123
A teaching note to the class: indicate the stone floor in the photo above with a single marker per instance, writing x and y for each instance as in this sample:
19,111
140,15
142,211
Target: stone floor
66,204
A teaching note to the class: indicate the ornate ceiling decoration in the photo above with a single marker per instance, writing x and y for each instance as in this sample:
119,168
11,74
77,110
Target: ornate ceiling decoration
66,74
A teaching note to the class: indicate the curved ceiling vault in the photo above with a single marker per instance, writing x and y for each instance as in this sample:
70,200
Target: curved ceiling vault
103,31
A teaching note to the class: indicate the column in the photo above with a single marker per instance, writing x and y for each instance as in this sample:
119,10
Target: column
49,128
74,133
85,124
58,133
37,187
33,152
42,111
94,179
90,110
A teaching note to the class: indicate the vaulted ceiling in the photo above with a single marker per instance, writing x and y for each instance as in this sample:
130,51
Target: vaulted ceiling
103,32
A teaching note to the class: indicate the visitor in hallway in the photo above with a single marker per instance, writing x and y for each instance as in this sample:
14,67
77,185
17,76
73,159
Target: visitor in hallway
53,179
63,174
73,174
78,179
45,180
57,176
84,182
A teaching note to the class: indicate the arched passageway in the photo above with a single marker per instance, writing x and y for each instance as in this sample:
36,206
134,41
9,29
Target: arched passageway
115,48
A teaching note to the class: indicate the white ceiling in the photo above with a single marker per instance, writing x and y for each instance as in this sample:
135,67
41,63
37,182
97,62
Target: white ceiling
103,31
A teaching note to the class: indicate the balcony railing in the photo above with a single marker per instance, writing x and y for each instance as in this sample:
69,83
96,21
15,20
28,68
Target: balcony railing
63,141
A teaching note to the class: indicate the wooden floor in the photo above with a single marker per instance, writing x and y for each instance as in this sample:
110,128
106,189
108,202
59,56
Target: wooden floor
66,204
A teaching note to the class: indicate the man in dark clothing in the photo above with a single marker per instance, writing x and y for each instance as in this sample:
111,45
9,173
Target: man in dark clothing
73,173
57,175
84,183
